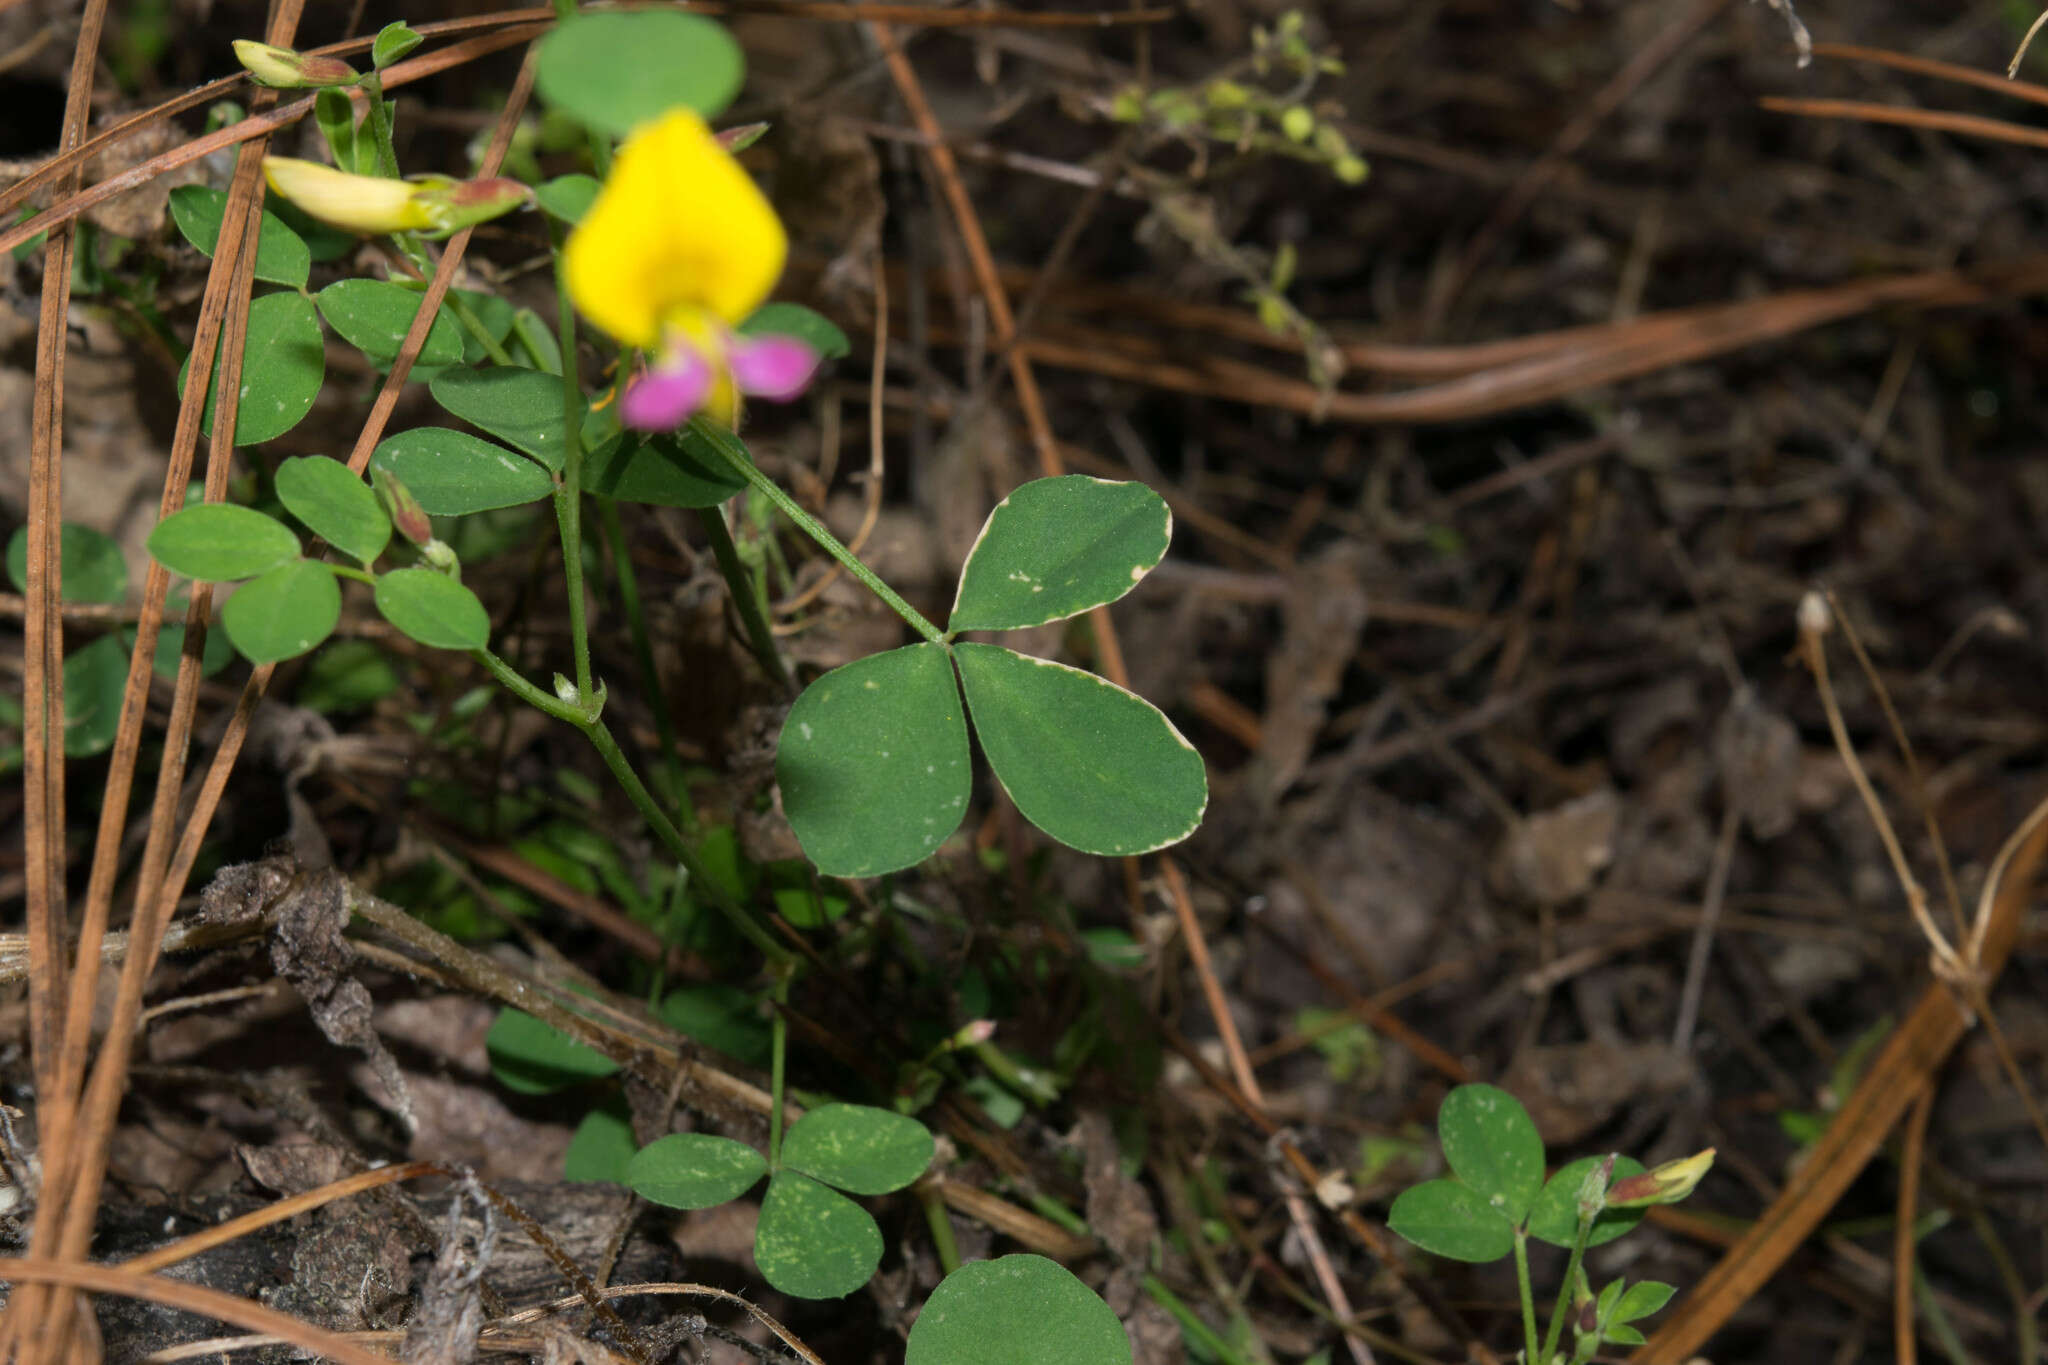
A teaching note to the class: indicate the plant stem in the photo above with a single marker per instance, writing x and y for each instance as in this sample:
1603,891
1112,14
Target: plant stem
665,830
569,492
379,124
735,454
746,598
514,682
1564,1290
941,1224
1531,1356
409,246
607,747
643,655
778,1049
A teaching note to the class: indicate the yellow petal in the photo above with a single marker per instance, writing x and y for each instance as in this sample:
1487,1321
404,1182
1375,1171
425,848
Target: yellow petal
678,227
358,203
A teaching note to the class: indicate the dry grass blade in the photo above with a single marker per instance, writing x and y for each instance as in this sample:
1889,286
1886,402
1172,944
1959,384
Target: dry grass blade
1890,1084
185,1248
106,1279
1928,66
1934,120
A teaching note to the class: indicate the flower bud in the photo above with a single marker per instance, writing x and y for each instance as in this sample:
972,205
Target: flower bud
739,137
280,68
402,507
367,204
1593,1190
452,206
1666,1184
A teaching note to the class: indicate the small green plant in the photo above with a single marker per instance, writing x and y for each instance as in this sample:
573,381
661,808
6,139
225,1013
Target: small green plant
1496,1199
632,392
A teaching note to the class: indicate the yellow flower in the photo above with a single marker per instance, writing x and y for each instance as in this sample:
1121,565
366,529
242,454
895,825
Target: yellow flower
678,248
372,204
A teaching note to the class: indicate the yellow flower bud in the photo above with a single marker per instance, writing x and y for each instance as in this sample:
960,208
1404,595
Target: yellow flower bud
280,68
368,204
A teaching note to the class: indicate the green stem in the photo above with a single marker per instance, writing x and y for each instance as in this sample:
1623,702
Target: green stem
941,1224
643,655
778,1049
379,124
745,596
1191,1322
701,881
515,682
735,454
409,246
607,747
359,575
569,493
1564,1291
1530,1355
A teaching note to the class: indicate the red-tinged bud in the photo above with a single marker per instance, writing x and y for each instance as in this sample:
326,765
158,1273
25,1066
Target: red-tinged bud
1666,1184
280,68
403,508
455,205
740,137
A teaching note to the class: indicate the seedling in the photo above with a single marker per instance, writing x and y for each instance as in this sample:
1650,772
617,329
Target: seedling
1496,1199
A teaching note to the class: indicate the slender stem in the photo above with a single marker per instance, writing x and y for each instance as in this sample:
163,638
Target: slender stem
701,881
778,1049
643,655
745,596
349,571
379,124
409,246
1564,1291
515,682
941,1224
735,454
569,493
1530,1357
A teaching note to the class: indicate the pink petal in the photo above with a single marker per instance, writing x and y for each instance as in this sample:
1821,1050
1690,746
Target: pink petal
663,398
773,367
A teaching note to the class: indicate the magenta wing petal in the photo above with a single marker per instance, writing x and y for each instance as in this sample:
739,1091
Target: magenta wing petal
777,368
663,398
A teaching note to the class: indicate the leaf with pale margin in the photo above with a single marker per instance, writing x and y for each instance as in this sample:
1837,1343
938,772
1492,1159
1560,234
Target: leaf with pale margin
1058,547
1096,767
873,762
